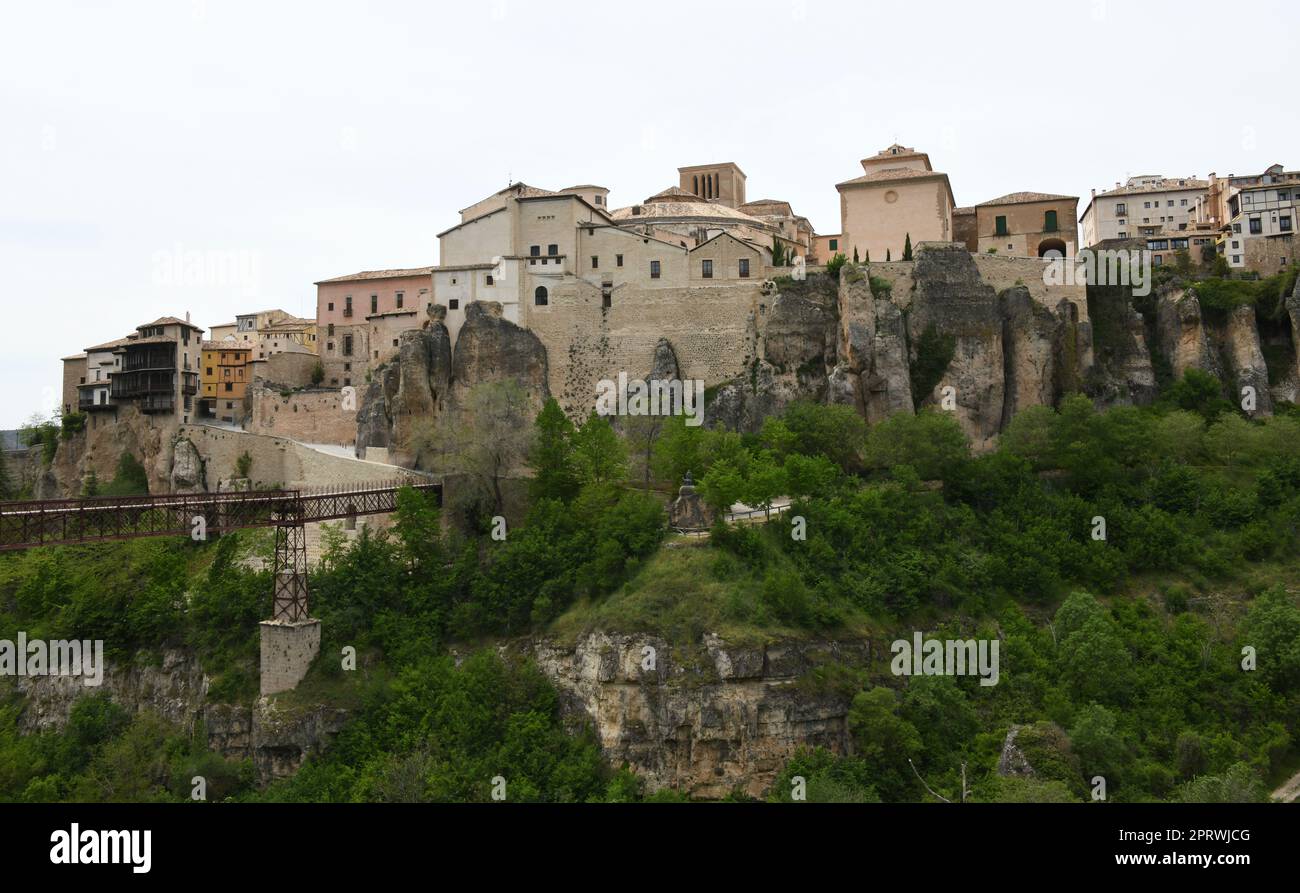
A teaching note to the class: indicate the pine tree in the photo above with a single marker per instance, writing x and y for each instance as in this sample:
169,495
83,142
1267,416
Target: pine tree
855,254
867,257
907,248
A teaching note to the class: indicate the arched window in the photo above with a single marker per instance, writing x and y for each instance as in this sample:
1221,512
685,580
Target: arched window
540,296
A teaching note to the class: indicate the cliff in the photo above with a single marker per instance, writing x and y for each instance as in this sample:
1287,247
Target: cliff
276,734
708,720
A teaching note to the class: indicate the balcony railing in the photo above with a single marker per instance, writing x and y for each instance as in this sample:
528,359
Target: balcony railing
157,403
347,312
130,385
189,383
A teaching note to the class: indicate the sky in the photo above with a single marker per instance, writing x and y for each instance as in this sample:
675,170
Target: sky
215,158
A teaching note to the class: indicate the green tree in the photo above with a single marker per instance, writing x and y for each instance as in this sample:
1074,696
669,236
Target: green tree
551,457
599,456
722,486
907,247
317,374
930,442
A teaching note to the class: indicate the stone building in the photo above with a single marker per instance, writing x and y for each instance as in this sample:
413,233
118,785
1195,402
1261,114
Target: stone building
1261,221
1022,224
224,380
359,315
899,195
1144,206
74,376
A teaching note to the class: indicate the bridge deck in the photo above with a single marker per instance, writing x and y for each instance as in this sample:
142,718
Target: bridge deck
31,523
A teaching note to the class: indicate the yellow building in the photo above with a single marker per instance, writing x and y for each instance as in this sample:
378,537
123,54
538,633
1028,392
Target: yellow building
224,378
900,196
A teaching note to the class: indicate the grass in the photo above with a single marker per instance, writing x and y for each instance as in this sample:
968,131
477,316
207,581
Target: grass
685,590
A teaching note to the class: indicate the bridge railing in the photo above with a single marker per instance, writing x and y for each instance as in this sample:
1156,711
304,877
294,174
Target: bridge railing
31,523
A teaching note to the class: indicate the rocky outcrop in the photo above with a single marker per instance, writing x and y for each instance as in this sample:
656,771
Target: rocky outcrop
954,302
406,392
1180,332
275,736
490,348
706,720
1013,762
871,348
187,474
1122,373
1243,360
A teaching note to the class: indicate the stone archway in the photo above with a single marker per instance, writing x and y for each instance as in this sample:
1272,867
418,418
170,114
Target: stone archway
1051,248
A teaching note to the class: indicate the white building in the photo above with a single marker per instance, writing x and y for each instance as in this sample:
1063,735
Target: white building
1143,207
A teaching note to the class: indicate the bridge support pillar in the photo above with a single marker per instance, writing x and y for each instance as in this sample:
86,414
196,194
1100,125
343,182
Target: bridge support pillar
288,648
290,640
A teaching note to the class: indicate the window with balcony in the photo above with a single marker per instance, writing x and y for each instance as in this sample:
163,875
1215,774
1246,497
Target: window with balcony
552,250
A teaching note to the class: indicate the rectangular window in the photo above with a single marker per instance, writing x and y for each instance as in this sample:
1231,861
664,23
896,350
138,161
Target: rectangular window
331,330
552,250
1284,224
1000,226
1158,260
401,298
606,298
654,269
706,269
1049,222
229,387
374,304
534,250
488,280
347,345
454,304
835,244
595,262
1256,226
618,260
744,268
331,306
347,306
1121,209
1146,204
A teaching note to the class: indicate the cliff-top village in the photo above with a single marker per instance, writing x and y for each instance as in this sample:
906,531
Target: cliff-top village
602,289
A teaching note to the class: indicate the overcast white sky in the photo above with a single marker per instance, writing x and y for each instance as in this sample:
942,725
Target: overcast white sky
309,140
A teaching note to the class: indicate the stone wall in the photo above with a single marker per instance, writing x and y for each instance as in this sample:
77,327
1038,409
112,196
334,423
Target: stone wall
315,416
276,460
713,330
285,370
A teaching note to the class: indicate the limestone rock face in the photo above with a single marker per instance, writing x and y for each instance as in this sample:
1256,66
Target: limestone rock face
1013,762
1032,340
276,740
1122,373
887,388
796,333
490,348
952,298
1181,332
705,720
665,366
187,468
1244,359
407,391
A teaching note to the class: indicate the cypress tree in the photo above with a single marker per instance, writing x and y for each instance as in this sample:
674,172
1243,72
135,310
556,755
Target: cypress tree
907,248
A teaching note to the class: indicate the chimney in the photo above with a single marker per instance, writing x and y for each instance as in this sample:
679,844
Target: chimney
187,316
